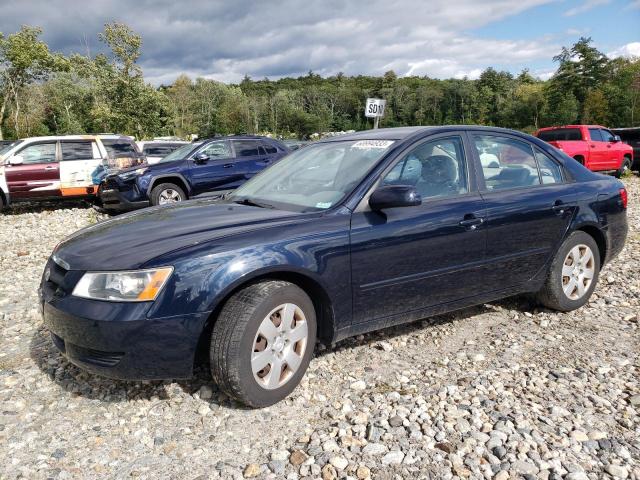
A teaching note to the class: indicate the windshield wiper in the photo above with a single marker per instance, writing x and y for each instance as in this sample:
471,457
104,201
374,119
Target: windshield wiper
253,203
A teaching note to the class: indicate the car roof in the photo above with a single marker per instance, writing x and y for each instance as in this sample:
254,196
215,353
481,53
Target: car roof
571,126
402,133
76,137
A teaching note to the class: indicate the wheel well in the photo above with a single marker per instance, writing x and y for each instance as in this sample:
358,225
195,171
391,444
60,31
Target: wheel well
579,158
600,239
175,180
627,156
319,297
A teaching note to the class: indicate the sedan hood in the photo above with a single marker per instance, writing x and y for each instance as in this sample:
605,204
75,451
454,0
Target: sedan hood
131,240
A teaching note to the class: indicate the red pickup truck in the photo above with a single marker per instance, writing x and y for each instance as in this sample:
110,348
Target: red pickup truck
596,147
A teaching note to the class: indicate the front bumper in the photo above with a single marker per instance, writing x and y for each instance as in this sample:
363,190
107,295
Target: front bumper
114,199
120,347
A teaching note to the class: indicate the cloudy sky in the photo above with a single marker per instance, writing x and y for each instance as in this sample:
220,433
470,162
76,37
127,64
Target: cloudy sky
439,38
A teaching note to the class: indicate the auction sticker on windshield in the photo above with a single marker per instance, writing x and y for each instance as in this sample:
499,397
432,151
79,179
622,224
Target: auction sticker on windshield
369,144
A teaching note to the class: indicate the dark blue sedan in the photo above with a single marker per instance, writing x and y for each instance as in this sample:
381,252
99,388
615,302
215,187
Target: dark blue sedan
216,164
342,237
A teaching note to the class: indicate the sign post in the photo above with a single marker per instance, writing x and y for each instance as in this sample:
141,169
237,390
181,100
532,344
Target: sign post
375,108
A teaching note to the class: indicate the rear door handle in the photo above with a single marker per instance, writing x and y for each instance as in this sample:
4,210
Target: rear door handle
471,222
559,207
227,165
50,168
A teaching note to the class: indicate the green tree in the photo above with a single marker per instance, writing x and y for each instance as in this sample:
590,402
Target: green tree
24,59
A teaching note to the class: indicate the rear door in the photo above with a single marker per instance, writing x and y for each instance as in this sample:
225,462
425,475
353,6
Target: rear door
217,171
529,207
251,157
79,159
38,175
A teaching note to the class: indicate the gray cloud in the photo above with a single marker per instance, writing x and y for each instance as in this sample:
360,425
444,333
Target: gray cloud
225,41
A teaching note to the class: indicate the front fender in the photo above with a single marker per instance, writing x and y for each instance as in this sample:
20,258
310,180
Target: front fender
204,275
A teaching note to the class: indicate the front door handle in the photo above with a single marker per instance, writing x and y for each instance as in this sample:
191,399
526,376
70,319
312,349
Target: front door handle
471,222
50,168
227,165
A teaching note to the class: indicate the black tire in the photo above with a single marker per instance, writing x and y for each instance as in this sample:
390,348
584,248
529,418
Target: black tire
158,189
234,333
552,295
2,205
624,168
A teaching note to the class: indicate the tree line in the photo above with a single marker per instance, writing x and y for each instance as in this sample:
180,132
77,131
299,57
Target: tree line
46,93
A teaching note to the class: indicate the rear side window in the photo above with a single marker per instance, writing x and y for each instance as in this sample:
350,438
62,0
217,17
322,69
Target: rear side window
595,135
39,153
120,148
560,135
157,150
80,150
506,162
246,148
550,171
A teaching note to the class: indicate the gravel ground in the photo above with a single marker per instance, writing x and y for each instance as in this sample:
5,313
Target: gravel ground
497,391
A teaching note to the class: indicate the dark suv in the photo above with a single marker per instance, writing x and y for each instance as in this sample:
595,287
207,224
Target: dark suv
217,164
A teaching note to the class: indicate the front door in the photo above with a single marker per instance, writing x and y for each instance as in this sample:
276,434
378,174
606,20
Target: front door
597,150
410,258
529,208
37,176
215,172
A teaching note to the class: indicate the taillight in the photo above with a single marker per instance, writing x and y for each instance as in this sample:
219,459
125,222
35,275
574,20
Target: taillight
624,196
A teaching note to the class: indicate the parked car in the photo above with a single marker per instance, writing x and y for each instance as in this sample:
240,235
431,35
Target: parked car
631,136
345,236
45,168
218,164
295,144
155,150
596,147
121,153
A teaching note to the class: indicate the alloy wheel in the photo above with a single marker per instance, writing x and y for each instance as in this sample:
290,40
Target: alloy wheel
279,346
169,196
578,271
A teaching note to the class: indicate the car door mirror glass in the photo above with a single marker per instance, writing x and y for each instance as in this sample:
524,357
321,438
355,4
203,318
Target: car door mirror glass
201,158
16,160
393,196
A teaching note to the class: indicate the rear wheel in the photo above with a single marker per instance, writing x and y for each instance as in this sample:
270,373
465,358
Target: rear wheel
2,205
262,342
573,274
166,193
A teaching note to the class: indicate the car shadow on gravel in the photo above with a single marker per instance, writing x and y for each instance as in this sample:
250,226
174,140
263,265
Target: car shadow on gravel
80,383
20,208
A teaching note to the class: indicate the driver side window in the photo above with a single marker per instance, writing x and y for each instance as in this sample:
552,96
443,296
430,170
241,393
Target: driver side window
217,150
436,168
39,153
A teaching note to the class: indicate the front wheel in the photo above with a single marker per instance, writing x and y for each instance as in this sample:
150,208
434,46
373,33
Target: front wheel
573,274
166,193
624,169
262,342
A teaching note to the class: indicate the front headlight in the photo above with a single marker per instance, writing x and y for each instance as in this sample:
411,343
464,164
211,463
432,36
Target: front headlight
134,173
132,286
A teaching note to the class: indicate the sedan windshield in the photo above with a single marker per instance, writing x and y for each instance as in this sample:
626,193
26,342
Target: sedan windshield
180,153
314,178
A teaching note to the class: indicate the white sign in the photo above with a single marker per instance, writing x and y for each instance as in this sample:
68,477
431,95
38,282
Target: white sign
375,107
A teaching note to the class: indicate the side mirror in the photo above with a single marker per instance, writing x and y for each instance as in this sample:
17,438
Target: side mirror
616,139
392,196
201,158
16,160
